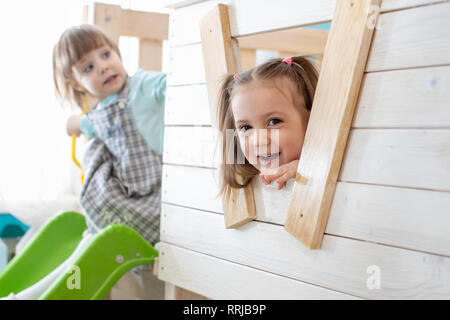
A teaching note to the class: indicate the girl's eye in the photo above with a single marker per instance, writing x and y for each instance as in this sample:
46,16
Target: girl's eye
273,122
245,128
88,68
106,54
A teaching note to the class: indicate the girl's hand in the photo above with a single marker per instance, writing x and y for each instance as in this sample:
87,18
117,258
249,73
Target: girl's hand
73,125
281,174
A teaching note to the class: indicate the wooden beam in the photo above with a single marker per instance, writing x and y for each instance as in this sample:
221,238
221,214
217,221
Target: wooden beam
144,25
108,18
116,21
220,57
305,41
150,54
248,58
326,137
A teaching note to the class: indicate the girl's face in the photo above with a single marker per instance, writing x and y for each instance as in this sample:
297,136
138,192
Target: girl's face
99,72
271,128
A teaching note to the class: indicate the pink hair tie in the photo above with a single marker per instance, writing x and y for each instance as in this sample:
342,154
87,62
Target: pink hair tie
288,60
236,76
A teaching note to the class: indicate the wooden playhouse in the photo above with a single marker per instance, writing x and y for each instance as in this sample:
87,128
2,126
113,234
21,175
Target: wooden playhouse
369,215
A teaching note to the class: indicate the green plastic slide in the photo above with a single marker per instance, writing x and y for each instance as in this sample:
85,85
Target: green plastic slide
111,253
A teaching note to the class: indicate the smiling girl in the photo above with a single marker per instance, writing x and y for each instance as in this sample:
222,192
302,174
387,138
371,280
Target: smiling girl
268,108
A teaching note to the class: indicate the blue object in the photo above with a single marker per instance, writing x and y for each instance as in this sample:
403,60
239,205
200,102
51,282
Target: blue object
322,26
3,255
10,227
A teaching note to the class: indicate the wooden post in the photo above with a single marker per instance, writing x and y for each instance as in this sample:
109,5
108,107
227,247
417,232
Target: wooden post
326,137
151,29
150,54
248,58
221,57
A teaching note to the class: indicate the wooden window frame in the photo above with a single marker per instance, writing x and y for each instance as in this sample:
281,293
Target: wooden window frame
337,91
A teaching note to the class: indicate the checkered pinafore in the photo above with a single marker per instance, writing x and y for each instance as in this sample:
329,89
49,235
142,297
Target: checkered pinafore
123,174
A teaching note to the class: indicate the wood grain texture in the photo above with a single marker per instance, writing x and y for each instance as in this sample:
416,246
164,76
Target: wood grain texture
332,111
193,271
342,264
219,54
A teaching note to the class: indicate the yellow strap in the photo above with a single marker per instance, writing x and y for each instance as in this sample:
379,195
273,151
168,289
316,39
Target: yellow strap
74,142
74,158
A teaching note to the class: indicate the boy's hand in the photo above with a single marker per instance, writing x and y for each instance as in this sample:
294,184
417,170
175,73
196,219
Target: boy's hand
281,174
73,125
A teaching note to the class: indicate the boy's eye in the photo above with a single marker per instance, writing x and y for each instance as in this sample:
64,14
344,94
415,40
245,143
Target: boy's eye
88,68
273,122
106,54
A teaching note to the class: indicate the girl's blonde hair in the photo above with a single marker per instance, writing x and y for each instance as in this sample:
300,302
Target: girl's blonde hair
73,44
300,72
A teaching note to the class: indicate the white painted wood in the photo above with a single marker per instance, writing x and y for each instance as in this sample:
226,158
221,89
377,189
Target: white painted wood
272,204
341,264
412,38
220,279
410,218
187,105
408,158
385,98
415,219
184,23
179,3
417,98
186,66
191,187
387,5
191,146
283,14
401,42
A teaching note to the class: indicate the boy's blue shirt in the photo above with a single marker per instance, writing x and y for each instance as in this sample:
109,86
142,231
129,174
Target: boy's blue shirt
146,97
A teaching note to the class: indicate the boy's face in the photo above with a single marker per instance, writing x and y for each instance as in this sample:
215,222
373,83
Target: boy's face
100,72
271,128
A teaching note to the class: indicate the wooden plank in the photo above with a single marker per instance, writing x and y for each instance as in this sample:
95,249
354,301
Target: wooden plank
144,25
184,28
342,264
173,292
384,99
299,40
248,58
414,158
421,94
191,187
219,60
332,111
108,18
407,37
191,146
186,66
150,54
179,3
187,105
409,218
406,158
220,279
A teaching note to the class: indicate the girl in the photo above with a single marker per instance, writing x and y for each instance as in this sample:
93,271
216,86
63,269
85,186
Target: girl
268,108
123,161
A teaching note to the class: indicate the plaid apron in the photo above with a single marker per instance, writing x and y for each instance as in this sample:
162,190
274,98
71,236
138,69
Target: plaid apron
123,174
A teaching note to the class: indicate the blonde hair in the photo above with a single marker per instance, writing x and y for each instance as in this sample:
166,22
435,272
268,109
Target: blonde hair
73,44
300,72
